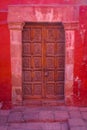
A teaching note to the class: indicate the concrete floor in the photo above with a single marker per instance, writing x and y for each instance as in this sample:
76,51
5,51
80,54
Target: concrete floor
44,118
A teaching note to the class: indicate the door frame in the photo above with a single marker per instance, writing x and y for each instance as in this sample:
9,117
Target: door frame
16,22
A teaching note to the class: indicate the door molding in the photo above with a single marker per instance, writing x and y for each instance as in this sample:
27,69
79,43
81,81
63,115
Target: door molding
37,14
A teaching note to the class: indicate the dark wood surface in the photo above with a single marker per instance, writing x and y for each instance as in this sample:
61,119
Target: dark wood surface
43,54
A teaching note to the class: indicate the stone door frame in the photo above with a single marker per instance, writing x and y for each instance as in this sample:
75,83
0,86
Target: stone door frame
16,26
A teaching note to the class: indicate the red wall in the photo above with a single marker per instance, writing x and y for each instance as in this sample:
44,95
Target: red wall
5,72
4,3
5,66
80,59
83,24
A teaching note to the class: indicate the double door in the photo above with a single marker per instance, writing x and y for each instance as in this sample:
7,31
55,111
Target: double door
43,60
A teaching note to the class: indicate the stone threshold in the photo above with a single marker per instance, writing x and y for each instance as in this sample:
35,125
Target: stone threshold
43,103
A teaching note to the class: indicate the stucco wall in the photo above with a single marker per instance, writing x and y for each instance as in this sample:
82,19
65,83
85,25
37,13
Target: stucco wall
5,74
80,44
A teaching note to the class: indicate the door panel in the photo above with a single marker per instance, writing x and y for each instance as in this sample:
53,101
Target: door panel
27,76
60,49
32,62
37,62
53,60
36,34
26,49
27,89
50,62
37,87
50,76
50,49
60,62
59,88
43,61
37,49
37,76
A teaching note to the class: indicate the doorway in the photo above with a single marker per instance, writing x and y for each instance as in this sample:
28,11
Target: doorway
43,61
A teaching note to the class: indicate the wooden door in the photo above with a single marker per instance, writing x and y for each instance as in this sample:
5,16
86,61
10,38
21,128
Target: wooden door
43,61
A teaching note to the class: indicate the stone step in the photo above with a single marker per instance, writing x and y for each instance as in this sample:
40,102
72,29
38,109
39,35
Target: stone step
43,102
38,116
39,126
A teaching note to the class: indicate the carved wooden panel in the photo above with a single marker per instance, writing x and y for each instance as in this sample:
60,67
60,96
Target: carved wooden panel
51,34
37,76
37,89
37,62
26,63
26,35
55,34
27,89
26,51
54,44
50,49
27,76
60,76
60,62
60,35
36,34
59,88
43,61
50,89
60,49
50,62
32,61
37,49
50,76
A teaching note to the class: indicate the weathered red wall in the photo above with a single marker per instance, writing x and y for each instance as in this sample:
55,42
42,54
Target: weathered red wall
83,73
4,3
80,59
5,72
5,66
